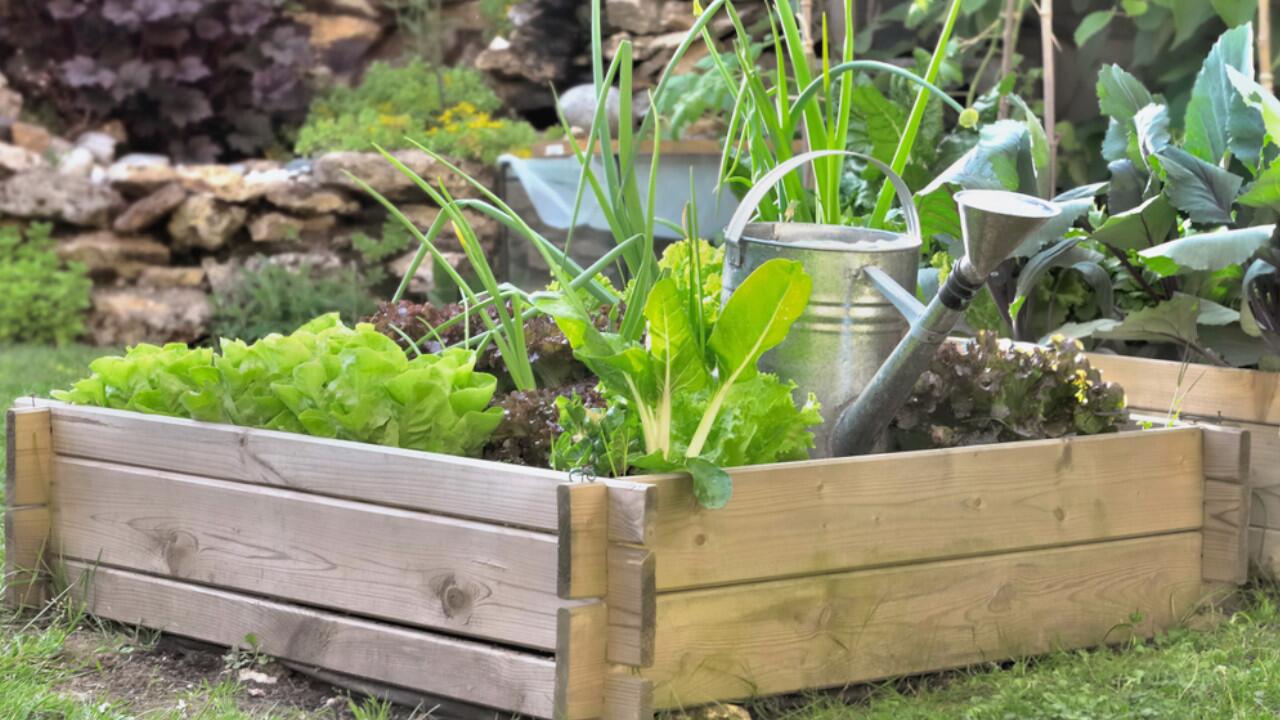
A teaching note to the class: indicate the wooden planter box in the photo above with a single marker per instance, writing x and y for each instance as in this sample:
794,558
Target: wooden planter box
551,595
1226,397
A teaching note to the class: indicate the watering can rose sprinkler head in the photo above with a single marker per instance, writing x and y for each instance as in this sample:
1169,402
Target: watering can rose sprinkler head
993,224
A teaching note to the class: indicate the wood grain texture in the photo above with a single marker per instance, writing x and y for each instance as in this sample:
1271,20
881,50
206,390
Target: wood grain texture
28,457
584,526
1226,453
1226,539
632,508
631,600
580,662
456,575
627,696
26,538
1160,385
826,515
1264,551
518,682
443,484
786,635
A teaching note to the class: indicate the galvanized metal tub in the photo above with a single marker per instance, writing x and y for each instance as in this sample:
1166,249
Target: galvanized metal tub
849,329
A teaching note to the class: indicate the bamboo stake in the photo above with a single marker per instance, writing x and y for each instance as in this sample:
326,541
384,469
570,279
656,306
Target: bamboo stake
1008,39
1047,44
1265,77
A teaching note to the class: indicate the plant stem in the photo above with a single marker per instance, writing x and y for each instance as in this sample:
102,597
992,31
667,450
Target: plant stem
905,145
1136,274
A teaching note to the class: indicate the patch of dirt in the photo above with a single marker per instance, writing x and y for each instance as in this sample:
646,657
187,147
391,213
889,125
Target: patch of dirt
149,674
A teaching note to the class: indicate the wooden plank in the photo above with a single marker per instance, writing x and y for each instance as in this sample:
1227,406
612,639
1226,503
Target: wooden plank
1226,525
1264,455
631,600
580,662
515,681
28,457
26,535
443,484
584,525
28,474
1226,453
632,510
787,635
1264,551
827,515
1161,385
461,576
627,696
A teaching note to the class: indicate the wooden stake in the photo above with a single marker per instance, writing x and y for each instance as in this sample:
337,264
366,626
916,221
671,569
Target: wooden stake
1047,44
1264,45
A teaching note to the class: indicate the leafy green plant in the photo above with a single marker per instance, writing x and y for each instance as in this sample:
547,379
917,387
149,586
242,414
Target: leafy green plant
324,379
42,299
448,110
769,120
1166,259
693,390
989,390
273,299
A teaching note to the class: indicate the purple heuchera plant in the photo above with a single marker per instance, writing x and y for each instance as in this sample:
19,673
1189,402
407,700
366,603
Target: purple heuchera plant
199,79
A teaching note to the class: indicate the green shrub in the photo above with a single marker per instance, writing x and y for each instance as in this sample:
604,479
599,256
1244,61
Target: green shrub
446,110
41,299
991,390
276,300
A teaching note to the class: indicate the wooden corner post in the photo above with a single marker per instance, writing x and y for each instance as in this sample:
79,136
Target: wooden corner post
28,472
1227,500
631,600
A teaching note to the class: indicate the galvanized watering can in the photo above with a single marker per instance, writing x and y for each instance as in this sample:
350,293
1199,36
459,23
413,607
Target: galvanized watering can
864,338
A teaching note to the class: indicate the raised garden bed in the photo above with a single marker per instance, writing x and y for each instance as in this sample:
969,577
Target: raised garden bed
551,595
1228,397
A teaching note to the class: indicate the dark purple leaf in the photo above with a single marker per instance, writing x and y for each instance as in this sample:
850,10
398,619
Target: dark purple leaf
82,72
121,13
66,9
191,69
248,16
185,106
133,76
209,29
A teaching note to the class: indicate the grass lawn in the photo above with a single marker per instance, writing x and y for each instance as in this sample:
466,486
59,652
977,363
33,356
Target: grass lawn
63,666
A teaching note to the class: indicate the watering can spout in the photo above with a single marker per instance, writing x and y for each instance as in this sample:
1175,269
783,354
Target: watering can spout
994,223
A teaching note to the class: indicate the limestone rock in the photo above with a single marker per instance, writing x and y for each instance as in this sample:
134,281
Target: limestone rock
641,17
77,163
202,221
677,16
128,316
31,136
305,197
101,144
316,261
221,276
578,105
279,227
239,183
331,168
485,227
42,193
363,8
109,256
423,279
14,159
172,277
151,209
138,173
341,40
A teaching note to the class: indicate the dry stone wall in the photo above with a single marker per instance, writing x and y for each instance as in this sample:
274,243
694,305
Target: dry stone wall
158,237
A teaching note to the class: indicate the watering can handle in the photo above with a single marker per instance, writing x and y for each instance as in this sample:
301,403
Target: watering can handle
747,209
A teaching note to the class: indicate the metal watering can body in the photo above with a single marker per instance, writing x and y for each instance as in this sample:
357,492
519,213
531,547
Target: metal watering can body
849,328
865,339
